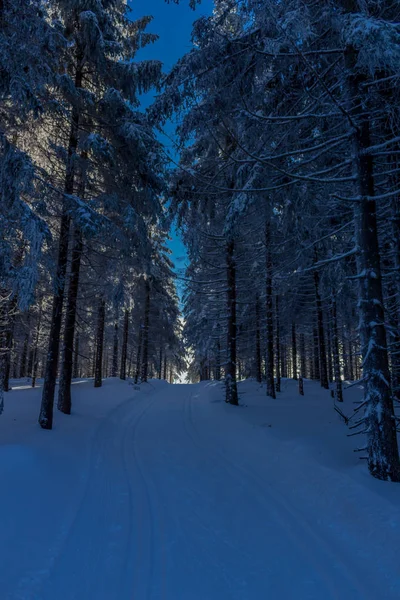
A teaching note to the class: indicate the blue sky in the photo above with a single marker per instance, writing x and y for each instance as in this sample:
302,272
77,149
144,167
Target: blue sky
173,24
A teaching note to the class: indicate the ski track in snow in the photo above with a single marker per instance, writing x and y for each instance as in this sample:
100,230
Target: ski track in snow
168,512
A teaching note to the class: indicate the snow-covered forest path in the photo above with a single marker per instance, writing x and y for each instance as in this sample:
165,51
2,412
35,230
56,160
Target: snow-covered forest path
184,498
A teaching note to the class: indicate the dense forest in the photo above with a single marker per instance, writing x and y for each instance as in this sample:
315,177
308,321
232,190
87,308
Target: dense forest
286,191
87,281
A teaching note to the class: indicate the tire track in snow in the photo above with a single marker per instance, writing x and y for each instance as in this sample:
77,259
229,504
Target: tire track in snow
31,585
193,438
139,584
93,554
168,517
317,546
155,581
101,507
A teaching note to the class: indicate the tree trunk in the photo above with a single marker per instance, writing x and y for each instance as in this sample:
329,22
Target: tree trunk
146,323
75,372
14,357
124,349
323,371
130,362
231,393
270,316
25,348
114,370
7,317
351,357
36,344
99,344
395,345
316,356
139,356
8,304
283,360
301,385
203,371
46,409
278,346
258,341
165,367
303,355
294,352
329,352
64,390
336,356
8,343
218,356
105,361
30,363
379,420
345,357
160,364
311,358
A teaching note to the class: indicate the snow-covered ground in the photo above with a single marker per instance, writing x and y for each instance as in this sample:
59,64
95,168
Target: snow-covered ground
167,493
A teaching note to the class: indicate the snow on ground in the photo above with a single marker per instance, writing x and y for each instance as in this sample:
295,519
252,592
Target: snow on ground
167,493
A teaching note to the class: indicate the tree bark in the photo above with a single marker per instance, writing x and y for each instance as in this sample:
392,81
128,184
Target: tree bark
75,372
7,317
8,343
379,420
301,385
64,391
30,363
218,355
278,346
329,352
311,358
46,409
336,356
316,355
114,370
14,360
283,359
124,349
303,361
270,316
165,367
139,356
36,344
351,358
25,348
231,393
160,364
323,372
258,342
395,345
130,362
99,344
105,361
294,352
146,323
